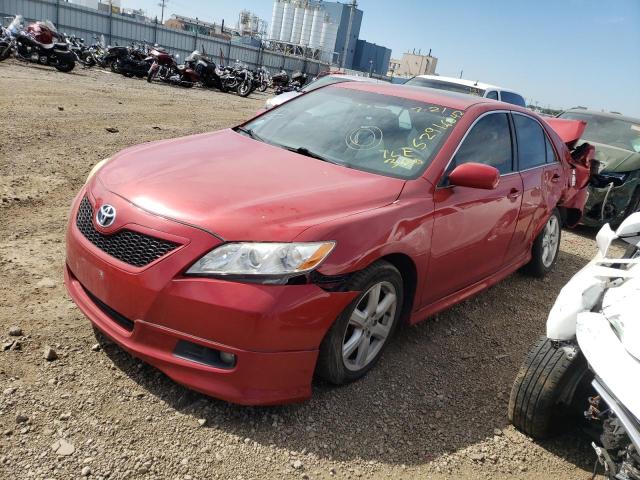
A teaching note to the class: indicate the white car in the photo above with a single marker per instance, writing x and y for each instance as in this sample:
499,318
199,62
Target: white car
587,367
320,82
469,87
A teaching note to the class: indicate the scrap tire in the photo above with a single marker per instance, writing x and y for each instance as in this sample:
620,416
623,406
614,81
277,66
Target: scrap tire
550,375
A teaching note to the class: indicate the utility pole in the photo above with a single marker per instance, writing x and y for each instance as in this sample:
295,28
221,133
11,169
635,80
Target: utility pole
461,73
163,3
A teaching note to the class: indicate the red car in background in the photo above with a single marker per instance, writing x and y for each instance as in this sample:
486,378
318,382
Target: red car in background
242,261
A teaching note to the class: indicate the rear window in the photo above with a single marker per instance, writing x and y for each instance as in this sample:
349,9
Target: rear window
616,132
513,98
383,134
443,85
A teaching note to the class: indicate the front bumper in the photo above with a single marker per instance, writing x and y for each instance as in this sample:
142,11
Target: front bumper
274,331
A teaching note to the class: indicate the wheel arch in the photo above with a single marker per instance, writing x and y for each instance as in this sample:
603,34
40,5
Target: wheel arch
409,272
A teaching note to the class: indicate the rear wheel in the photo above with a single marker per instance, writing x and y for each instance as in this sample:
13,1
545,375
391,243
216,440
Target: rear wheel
549,388
544,252
359,335
5,51
65,65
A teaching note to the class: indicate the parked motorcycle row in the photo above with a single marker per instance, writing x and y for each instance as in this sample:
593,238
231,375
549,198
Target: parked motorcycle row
40,42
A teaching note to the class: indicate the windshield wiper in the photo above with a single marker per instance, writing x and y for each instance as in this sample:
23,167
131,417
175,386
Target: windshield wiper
308,153
250,133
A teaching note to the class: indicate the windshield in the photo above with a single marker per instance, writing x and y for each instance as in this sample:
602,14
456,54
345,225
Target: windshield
608,130
387,135
442,85
323,81
16,24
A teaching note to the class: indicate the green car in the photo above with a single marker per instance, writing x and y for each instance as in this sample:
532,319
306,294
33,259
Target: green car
614,193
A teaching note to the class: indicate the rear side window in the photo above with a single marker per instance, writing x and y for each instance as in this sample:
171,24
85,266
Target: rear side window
493,95
551,154
532,150
513,98
488,142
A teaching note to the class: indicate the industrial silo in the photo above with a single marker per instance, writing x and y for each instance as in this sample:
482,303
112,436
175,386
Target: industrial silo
298,20
276,20
306,25
287,21
316,28
328,39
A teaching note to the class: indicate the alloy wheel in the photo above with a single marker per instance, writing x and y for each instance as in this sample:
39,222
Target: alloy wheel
550,240
369,326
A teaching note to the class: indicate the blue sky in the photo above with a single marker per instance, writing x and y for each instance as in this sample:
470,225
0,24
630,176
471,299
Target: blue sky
556,52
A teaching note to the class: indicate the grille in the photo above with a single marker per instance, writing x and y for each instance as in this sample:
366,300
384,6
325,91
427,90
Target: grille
127,246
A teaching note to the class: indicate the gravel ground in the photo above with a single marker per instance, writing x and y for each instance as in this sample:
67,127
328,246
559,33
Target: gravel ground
435,406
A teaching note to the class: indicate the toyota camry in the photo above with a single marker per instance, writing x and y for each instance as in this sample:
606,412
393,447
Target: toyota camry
245,261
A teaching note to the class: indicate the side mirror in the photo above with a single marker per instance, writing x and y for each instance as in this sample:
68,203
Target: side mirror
630,227
475,175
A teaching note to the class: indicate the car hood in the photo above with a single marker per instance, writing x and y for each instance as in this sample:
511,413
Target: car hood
615,159
240,188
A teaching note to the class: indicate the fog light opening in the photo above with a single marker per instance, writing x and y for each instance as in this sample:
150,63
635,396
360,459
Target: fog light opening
194,352
228,358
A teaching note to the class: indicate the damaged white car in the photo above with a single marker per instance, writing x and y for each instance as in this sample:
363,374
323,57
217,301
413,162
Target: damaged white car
587,367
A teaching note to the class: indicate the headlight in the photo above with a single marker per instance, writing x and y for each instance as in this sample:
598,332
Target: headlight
96,167
603,179
277,261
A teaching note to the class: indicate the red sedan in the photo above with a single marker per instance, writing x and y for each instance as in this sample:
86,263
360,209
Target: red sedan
243,261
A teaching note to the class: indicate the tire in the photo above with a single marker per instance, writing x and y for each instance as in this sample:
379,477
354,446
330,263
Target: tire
244,89
549,390
151,75
66,66
332,365
540,263
5,51
263,87
115,66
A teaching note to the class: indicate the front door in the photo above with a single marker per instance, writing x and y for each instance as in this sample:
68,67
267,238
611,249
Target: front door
473,227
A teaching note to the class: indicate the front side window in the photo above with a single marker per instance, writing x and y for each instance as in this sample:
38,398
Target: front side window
488,142
378,133
493,95
531,142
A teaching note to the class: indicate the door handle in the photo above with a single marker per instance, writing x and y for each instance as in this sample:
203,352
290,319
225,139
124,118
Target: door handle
513,193
555,178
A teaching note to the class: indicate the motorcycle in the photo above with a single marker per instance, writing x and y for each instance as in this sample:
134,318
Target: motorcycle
238,78
79,50
282,83
40,43
587,367
163,64
261,79
130,61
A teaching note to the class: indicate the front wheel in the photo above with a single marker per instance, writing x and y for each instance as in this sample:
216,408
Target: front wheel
548,389
262,87
357,338
546,246
244,89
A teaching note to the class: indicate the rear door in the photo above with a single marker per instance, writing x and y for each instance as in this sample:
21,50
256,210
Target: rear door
541,175
473,227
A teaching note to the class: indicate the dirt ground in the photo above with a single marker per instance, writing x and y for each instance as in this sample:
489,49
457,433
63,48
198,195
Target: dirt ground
434,407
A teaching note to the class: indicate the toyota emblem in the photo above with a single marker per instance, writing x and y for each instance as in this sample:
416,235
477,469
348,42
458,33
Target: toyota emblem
106,215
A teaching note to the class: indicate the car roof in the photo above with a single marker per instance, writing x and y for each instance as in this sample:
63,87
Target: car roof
354,78
434,96
596,113
467,83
